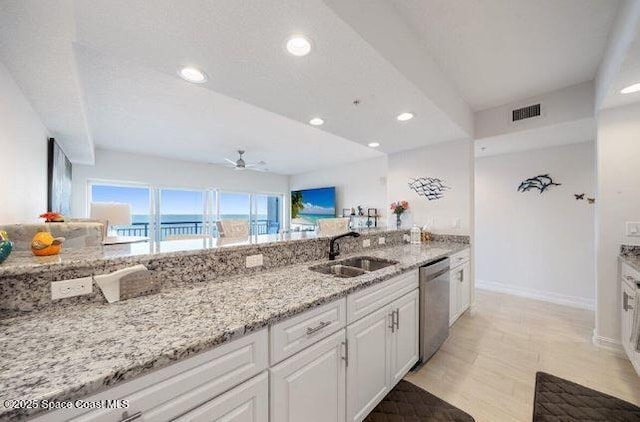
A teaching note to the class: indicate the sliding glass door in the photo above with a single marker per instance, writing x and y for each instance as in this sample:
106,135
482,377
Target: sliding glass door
189,213
267,216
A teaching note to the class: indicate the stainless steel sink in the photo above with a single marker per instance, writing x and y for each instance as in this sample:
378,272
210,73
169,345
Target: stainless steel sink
368,263
353,267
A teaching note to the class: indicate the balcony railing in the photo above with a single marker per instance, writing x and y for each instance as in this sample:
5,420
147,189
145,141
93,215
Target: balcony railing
191,228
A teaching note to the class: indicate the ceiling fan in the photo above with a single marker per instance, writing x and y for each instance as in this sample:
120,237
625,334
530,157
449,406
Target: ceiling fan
240,164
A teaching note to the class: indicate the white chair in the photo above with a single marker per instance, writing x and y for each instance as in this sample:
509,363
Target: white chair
233,228
332,226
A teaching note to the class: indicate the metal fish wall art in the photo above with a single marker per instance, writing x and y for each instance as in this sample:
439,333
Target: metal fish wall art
431,188
541,182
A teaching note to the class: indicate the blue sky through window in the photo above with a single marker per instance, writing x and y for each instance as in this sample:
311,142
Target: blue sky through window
137,197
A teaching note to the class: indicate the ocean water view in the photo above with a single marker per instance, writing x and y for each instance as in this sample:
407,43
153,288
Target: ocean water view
174,218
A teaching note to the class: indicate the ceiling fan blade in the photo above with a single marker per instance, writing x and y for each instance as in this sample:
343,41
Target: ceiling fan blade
262,170
230,161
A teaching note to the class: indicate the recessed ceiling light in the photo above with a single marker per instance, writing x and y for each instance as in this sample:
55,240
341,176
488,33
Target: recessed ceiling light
316,121
631,89
374,144
191,74
403,117
298,45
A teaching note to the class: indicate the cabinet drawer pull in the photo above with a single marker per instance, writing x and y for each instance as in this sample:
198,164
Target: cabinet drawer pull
393,321
127,418
625,301
323,324
397,318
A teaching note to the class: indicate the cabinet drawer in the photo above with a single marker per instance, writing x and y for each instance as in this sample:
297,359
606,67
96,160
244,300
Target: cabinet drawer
459,258
248,402
169,392
372,298
294,334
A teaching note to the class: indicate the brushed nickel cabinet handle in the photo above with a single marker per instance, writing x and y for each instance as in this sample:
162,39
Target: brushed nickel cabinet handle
346,352
397,318
393,321
323,324
625,301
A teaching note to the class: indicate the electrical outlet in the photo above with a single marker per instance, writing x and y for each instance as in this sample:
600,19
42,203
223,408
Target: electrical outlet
633,228
71,288
366,243
254,261
381,240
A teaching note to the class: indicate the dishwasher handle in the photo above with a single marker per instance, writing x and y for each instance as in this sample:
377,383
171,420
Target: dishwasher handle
434,270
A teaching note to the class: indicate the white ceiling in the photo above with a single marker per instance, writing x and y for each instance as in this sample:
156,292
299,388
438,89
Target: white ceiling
35,46
629,74
134,109
500,51
270,94
104,71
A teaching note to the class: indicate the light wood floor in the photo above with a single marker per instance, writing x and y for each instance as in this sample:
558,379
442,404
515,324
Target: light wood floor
488,364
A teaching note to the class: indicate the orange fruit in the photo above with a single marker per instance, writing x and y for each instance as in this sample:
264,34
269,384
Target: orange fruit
44,244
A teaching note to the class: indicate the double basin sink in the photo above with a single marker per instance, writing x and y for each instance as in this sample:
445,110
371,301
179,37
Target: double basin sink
353,267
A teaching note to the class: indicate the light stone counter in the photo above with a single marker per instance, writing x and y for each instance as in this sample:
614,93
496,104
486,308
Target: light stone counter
71,352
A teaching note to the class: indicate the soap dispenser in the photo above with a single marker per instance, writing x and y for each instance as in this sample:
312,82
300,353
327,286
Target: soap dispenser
415,235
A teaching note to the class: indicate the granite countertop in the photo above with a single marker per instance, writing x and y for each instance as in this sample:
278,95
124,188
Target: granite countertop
630,254
72,352
632,260
24,262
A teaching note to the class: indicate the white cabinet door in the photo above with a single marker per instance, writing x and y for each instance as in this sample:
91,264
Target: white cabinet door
626,317
404,341
248,402
369,361
464,289
454,280
310,386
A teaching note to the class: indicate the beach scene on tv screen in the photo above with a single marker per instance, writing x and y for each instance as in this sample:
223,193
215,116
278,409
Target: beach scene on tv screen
309,206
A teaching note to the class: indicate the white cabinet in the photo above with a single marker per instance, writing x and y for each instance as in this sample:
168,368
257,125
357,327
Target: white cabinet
369,361
169,392
459,285
629,290
294,334
404,339
382,347
248,402
310,386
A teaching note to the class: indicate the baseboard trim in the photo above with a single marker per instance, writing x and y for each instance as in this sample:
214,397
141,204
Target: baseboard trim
573,301
608,343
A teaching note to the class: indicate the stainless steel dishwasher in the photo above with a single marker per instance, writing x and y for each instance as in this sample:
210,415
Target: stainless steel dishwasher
434,307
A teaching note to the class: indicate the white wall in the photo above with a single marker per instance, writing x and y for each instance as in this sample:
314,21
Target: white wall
618,151
450,161
361,183
564,105
532,244
127,167
23,156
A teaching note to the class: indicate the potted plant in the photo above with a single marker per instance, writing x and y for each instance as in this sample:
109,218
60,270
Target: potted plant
398,208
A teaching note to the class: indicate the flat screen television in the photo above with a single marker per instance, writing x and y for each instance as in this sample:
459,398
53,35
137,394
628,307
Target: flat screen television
310,205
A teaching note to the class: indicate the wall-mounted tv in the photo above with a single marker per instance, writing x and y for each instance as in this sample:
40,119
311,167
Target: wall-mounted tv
310,205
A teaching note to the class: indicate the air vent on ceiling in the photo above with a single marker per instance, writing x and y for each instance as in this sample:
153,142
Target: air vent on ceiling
525,112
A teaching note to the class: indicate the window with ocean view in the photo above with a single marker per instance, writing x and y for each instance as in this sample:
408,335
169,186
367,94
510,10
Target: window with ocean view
184,213
138,197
